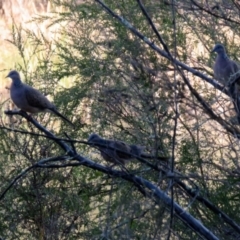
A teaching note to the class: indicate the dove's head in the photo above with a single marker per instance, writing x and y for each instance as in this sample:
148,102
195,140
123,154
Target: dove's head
219,49
13,74
93,138
16,80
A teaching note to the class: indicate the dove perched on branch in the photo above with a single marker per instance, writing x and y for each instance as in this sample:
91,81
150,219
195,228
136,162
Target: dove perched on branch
225,69
29,99
119,152
114,151
227,72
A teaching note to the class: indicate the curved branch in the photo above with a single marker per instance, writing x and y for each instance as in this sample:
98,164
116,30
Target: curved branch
209,111
214,14
161,52
139,182
25,171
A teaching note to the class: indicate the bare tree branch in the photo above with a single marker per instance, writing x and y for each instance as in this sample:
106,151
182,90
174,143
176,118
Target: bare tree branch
139,182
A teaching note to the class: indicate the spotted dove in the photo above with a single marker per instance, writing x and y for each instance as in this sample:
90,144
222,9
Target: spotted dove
29,99
126,153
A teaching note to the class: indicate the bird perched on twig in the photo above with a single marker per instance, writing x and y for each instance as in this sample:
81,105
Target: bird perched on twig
225,69
109,149
29,99
227,72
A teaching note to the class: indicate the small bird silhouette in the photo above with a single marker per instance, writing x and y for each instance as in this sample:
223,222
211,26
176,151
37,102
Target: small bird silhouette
29,99
114,151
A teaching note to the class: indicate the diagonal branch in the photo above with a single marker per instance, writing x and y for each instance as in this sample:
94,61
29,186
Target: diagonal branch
207,108
145,187
159,51
25,171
